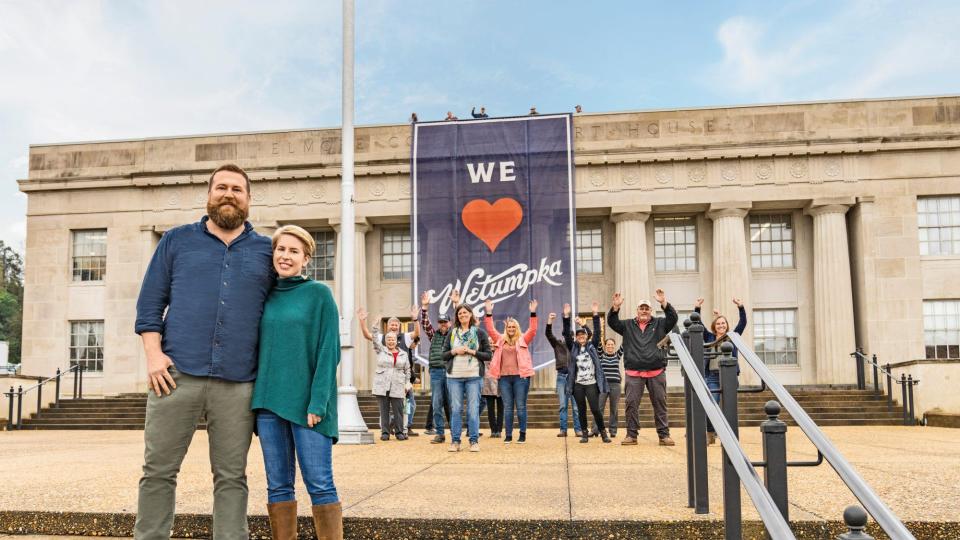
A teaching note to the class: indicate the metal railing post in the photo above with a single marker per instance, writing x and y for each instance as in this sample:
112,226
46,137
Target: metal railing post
731,481
80,391
56,397
876,375
861,384
903,392
910,383
889,388
699,424
688,417
39,398
774,433
19,405
76,375
10,412
856,520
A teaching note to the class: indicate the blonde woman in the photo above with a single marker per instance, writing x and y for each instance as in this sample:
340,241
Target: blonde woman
512,366
295,395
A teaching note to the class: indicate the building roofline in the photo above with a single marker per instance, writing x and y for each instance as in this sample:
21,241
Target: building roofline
604,113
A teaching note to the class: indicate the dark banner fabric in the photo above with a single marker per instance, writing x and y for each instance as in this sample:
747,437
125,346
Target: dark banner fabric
493,217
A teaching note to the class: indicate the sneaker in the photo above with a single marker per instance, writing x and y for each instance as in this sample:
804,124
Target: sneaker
579,433
629,441
604,437
412,433
613,434
474,447
584,439
495,435
522,438
454,447
667,441
384,436
711,438
562,434
594,433
438,439
508,439
429,432
402,437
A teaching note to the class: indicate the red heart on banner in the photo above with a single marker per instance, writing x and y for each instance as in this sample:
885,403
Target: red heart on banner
491,223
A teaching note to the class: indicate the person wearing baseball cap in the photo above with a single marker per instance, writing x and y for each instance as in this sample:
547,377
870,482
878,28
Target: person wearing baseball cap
439,404
644,363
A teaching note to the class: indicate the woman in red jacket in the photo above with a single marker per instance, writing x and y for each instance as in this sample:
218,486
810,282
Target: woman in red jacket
512,366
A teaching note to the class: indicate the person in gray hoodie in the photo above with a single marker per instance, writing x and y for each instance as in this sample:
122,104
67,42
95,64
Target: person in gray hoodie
644,362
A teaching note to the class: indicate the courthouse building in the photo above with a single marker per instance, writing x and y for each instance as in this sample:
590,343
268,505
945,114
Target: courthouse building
837,223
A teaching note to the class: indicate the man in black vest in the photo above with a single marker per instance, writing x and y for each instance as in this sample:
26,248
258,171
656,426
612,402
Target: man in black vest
439,404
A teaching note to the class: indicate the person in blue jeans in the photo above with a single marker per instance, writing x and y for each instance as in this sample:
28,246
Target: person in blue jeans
512,367
295,394
465,352
438,369
561,354
715,336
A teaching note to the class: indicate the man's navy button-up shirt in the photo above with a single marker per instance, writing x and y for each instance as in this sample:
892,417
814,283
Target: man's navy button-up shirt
213,295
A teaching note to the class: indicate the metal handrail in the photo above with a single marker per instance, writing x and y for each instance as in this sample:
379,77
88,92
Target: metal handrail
16,419
882,514
772,519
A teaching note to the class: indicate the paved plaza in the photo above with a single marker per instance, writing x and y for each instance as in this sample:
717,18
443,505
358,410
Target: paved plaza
915,470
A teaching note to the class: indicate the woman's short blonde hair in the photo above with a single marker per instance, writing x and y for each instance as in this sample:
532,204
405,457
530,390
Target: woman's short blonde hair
305,238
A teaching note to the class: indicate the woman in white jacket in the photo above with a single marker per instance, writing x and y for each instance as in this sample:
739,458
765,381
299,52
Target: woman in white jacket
389,381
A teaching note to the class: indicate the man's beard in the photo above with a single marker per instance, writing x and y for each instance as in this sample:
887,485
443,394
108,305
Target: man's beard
227,215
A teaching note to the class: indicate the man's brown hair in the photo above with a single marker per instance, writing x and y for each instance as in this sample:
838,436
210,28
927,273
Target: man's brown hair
228,167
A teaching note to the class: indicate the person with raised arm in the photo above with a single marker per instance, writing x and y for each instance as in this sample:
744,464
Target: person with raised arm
439,404
586,380
561,355
610,357
512,366
714,337
390,379
644,362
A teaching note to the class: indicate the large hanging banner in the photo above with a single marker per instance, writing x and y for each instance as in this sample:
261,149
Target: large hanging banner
493,217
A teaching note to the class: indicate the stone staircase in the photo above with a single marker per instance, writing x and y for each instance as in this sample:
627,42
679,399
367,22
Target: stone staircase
827,407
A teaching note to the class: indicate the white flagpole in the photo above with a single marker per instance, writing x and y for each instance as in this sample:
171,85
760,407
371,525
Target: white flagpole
353,429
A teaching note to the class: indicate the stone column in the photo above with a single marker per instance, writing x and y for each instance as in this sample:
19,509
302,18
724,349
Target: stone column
631,275
731,269
832,292
361,355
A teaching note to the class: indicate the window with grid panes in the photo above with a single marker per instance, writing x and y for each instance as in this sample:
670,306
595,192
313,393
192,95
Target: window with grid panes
941,328
397,254
90,255
589,247
938,221
771,241
675,244
86,344
322,263
775,336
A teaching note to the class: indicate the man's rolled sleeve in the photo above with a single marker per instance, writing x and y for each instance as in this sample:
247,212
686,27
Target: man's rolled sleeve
155,291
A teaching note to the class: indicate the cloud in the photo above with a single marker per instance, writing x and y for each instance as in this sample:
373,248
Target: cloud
865,50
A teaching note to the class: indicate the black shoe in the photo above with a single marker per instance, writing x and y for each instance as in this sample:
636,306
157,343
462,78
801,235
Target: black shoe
495,435
508,439
439,439
584,439
429,432
384,436
412,433
402,437
523,437
562,434
604,437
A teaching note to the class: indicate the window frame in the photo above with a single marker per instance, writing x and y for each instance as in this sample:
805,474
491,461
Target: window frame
99,361
76,272
405,273
692,221
589,226
313,266
791,226
759,325
950,229
951,312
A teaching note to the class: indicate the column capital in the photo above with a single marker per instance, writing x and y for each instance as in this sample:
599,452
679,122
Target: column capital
361,225
729,209
829,205
638,212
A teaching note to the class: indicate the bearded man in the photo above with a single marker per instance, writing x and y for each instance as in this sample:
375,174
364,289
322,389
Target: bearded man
198,315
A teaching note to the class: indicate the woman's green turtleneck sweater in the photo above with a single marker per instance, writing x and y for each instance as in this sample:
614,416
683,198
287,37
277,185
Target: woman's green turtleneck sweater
299,353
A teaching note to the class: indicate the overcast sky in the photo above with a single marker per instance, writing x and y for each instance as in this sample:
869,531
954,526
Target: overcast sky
79,70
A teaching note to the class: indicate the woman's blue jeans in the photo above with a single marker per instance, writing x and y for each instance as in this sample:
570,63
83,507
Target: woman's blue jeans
458,387
713,383
284,444
513,391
